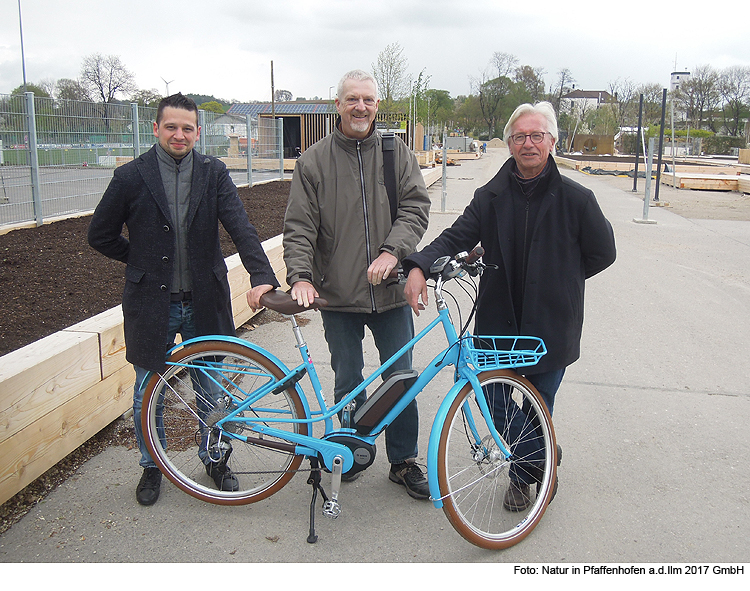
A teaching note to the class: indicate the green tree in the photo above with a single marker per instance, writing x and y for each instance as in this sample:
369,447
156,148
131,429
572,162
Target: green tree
146,98
468,117
440,105
71,90
31,87
212,106
529,84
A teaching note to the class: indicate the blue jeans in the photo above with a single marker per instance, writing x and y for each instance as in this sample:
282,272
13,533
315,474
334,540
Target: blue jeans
180,321
521,428
344,332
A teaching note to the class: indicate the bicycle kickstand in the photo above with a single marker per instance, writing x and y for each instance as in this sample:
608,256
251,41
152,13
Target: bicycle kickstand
314,480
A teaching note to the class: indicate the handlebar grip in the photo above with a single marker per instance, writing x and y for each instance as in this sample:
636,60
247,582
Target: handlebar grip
474,255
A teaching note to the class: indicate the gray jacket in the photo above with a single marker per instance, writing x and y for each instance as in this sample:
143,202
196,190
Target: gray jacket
338,220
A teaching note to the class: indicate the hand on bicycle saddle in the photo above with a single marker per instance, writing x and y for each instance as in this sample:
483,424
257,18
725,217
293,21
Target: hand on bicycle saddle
255,294
285,303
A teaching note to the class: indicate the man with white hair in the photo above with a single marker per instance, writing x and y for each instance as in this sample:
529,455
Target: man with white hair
342,239
544,235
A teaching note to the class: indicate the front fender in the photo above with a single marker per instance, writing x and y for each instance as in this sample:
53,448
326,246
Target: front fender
434,444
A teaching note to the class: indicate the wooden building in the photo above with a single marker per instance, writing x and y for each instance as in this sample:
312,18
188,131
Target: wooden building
306,122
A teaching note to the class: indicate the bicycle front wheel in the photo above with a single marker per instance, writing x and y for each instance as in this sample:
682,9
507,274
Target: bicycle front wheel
203,383
492,500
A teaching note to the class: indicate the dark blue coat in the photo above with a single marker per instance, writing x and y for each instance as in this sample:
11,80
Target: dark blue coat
135,197
571,241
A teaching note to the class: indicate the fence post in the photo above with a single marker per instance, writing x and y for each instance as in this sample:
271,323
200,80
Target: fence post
36,185
136,131
444,194
280,134
649,156
249,133
202,125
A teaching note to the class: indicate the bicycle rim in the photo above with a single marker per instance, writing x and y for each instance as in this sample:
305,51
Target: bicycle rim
473,473
202,384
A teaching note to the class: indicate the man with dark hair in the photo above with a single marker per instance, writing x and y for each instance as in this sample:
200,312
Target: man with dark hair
172,199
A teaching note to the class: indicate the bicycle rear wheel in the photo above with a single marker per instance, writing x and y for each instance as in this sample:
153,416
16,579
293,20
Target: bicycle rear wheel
473,474
202,384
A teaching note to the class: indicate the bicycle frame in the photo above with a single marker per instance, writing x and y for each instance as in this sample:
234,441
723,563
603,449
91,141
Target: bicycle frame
455,354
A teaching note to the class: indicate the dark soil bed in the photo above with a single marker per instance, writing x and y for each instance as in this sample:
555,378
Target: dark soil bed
50,279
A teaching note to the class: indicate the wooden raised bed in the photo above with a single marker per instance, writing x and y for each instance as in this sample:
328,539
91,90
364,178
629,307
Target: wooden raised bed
60,391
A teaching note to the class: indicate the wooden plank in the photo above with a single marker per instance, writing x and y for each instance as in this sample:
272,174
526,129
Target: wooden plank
46,441
239,279
566,162
431,175
108,325
706,182
743,183
39,377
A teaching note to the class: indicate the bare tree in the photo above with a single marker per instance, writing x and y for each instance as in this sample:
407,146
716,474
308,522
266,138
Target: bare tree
734,86
624,102
563,85
652,95
504,63
283,96
106,76
390,73
699,97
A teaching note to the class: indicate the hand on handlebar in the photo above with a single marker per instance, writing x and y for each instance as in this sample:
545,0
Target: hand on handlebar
381,267
416,287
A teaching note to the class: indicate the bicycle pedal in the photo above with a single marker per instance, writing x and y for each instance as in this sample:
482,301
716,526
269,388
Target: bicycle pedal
331,509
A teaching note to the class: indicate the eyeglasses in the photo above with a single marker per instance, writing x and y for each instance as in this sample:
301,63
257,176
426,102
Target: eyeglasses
369,102
536,138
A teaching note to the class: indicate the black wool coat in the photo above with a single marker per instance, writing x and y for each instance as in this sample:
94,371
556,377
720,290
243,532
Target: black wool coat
136,198
571,241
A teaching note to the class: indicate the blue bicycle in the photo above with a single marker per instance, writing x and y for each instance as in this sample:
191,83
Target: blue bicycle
225,402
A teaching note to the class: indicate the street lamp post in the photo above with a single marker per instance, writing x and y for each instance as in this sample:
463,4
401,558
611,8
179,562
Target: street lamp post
23,58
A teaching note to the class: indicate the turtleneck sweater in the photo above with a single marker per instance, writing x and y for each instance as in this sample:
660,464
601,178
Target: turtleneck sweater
177,177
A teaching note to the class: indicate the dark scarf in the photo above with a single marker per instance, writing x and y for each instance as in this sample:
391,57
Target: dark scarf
527,197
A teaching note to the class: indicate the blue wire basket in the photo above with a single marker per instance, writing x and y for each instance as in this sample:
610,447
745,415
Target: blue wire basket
495,352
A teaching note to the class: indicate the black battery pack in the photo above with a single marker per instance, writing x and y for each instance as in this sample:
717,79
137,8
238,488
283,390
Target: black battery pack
383,399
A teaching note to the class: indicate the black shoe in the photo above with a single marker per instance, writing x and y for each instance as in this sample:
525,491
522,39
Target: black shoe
410,475
517,497
222,476
147,491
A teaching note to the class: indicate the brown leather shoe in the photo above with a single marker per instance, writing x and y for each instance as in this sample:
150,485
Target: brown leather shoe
517,497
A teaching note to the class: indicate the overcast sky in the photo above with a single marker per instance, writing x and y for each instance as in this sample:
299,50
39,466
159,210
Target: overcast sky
225,47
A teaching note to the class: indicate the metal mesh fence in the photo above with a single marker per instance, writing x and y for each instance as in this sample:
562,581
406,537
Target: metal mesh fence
57,157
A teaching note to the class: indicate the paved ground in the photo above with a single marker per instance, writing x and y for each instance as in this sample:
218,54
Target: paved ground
653,419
